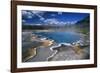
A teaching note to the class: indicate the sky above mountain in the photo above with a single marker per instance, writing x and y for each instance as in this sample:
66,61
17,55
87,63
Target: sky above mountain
32,17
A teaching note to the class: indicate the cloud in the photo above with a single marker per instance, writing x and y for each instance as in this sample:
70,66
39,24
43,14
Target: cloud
38,24
31,13
27,14
54,22
24,12
53,15
59,13
23,21
51,21
41,18
73,22
39,14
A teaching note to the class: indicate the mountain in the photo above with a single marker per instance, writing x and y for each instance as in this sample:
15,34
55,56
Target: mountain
84,25
84,22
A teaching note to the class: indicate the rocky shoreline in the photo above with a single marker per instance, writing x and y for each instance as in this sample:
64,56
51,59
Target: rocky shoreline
61,51
34,44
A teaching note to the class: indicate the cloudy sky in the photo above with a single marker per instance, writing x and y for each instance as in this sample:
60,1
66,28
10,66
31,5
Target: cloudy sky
32,17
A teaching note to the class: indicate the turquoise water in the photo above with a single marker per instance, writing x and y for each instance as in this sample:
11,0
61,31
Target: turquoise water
60,37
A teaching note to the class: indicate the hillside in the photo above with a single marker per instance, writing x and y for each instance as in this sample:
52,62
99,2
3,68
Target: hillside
84,22
84,25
